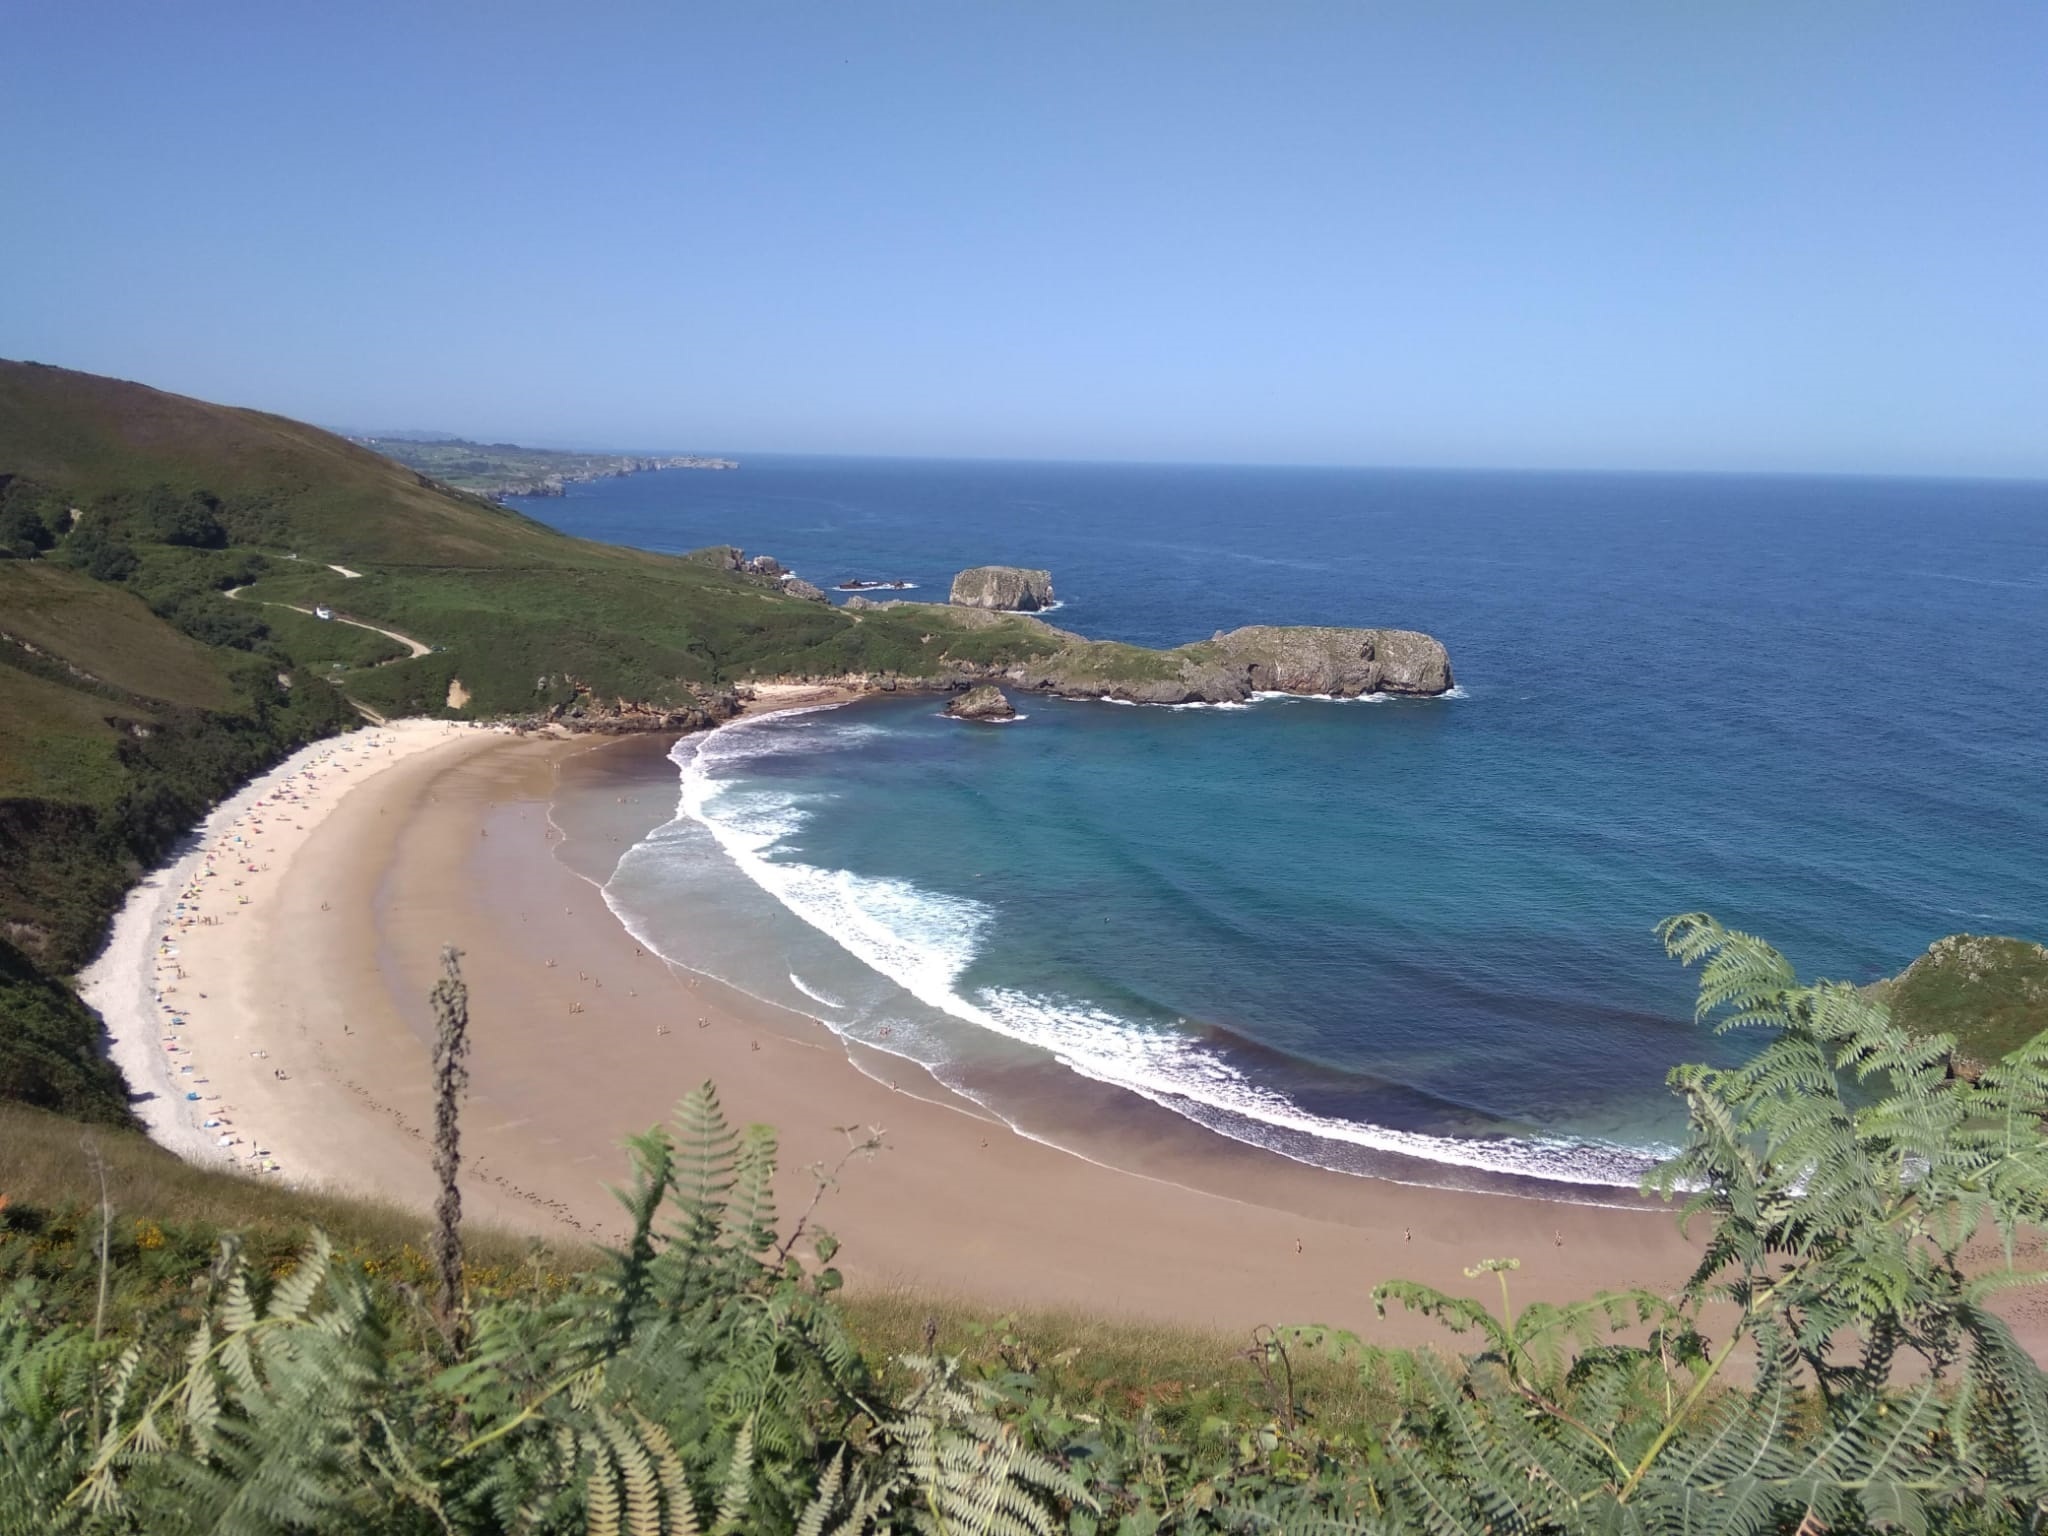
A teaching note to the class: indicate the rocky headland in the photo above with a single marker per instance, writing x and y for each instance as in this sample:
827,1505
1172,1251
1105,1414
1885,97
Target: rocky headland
1231,667
953,648
1228,668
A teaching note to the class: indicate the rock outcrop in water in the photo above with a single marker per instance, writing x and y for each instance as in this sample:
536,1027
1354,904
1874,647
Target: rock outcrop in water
983,703
1232,667
1007,587
1345,663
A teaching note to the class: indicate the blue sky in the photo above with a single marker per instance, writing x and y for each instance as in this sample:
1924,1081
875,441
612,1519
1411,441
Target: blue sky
1715,235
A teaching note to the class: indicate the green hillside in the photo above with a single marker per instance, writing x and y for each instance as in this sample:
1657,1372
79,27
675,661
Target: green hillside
280,482
527,618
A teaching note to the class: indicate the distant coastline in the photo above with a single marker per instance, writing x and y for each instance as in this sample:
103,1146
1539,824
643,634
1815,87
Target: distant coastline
501,470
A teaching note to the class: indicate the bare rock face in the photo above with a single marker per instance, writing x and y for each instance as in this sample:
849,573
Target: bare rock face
984,703
1003,586
763,565
1320,659
796,586
1337,663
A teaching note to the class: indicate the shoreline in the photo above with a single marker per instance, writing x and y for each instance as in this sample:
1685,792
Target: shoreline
581,1037
1057,1097
1170,1222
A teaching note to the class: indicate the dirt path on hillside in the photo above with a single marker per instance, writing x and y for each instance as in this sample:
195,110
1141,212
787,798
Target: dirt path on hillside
414,647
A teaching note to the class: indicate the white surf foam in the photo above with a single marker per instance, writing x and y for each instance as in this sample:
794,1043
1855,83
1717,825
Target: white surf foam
1276,696
813,993
1180,1073
925,941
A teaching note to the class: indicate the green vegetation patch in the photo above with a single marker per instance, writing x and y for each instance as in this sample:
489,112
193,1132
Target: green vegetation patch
1990,993
57,743
1108,661
51,1058
171,1215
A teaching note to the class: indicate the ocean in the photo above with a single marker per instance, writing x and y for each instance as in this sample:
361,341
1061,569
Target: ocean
1399,937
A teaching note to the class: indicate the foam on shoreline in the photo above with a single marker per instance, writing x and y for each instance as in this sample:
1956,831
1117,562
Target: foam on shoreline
925,942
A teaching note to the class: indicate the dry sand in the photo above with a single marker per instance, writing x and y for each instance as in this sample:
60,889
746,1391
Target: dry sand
173,984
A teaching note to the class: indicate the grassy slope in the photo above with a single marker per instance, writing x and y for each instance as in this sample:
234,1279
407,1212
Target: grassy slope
108,633
56,742
79,656
1990,993
94,437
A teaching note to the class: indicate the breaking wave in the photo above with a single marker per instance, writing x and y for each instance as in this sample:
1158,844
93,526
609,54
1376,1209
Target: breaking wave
926,942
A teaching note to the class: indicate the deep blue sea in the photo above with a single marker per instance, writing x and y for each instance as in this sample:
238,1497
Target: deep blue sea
1382,935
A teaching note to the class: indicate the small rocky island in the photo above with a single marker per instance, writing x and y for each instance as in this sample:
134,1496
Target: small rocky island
1008,588
985,703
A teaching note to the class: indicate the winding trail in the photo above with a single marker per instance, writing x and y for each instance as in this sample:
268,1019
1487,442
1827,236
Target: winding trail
414,647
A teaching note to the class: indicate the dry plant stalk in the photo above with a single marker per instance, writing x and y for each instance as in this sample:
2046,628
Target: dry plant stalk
450,998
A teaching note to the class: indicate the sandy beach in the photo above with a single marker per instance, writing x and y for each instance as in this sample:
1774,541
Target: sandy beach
297,999
174,982
279,970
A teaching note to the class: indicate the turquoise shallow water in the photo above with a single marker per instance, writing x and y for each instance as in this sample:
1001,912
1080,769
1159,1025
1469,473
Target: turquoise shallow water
1347,931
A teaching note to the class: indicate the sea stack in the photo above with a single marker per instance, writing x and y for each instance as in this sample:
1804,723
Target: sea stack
1007,587
985,703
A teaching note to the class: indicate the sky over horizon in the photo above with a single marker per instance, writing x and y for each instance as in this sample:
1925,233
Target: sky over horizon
1802,237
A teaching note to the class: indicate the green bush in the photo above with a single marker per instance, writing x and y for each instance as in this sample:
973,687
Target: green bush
32,517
